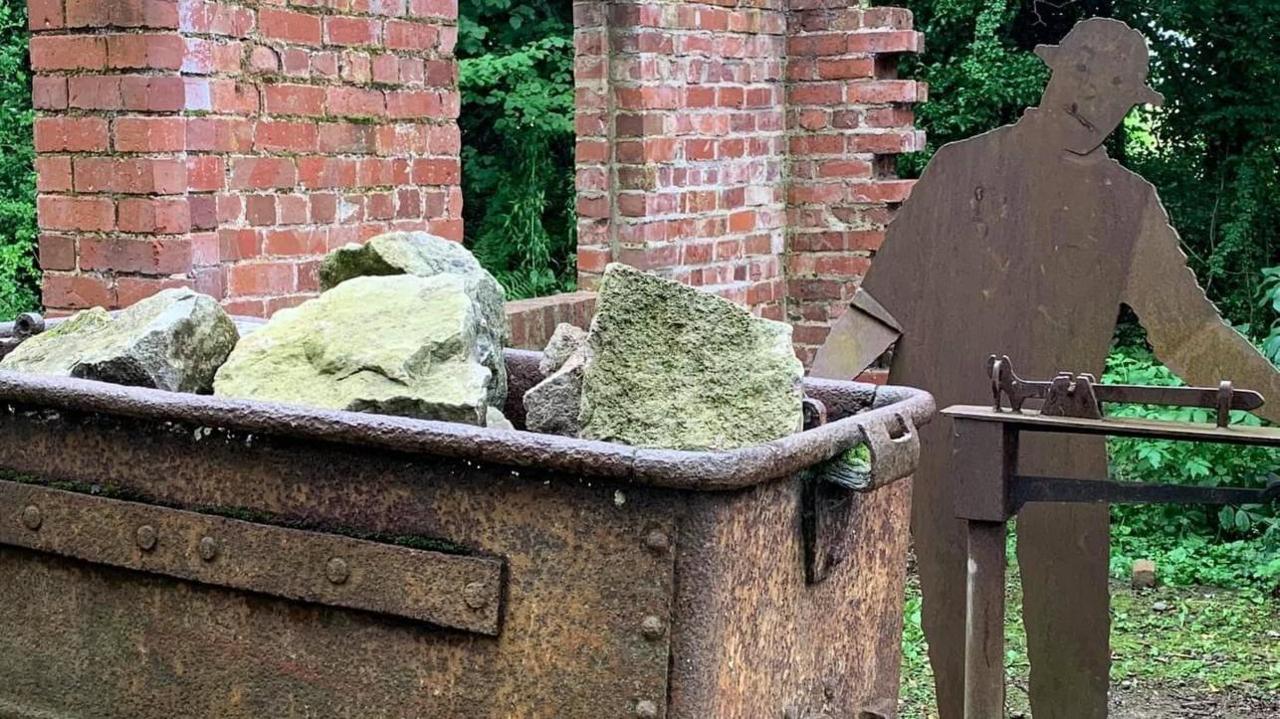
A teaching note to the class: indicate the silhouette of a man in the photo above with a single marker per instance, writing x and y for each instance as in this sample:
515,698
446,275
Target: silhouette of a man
1025,241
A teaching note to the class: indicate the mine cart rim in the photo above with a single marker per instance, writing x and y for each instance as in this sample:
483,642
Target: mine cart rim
674,469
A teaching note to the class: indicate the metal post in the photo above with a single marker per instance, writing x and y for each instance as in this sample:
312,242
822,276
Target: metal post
984,622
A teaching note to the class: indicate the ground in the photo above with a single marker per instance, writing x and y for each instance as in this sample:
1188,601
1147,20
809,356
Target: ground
1182,653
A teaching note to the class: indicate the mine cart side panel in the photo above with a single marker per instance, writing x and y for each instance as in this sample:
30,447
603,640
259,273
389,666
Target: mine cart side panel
585,603
753,639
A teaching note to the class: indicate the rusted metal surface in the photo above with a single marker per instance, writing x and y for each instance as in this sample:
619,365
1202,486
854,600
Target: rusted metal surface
637,582
991,490
449,590
1081,396
1029,238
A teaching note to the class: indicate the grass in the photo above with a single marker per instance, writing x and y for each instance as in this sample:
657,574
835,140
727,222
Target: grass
1208,640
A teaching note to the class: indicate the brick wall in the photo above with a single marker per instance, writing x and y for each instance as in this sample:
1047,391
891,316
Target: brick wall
746,146
227,145
682,143
848,116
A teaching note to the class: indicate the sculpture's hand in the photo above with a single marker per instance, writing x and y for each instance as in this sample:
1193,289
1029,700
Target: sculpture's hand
1183,326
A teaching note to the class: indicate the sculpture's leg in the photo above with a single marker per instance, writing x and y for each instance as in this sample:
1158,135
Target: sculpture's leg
1062,555
940,544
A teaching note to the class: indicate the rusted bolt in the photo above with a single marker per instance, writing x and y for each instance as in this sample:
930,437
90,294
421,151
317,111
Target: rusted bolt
146,536
657,541
646,709
31,518
652,628
337,570
476,595
208,549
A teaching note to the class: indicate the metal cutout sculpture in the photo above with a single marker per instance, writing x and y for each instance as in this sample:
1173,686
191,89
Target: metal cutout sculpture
1028,238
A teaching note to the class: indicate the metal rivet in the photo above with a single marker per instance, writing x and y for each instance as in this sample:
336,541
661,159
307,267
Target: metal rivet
652,627
657,541
31,518
146,536
476,595
337,570
646,708
208,549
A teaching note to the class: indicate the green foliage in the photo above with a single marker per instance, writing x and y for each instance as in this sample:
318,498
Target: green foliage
19,278
1221,546
516,76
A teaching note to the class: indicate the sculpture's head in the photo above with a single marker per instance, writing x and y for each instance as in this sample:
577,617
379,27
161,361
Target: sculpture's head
1099,73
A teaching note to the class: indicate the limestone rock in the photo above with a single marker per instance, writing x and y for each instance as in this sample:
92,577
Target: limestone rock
495,419
566,340
174,340
553,405
402,345
426,255
672,366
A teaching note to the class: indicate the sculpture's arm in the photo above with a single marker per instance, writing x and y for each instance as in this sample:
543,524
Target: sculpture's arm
1183,326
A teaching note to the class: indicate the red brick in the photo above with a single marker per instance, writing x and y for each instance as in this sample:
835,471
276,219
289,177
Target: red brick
68,52
162,176
44,14
153,93
350,31
283,136
278,243
150,134
402,35
887,91
151,256
57,252
305,100
205,173
130,290
70,134
122,13
53,174
264,59
219,134
386,69
437,171
154,216
886,42
846,68
145,51
355,102
261,278
92,92
289,26
89,214
343,137
48,93
447,9
65,291
324,172
882,191
262,173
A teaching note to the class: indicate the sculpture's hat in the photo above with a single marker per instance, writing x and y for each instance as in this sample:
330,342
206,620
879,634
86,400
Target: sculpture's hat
1101,45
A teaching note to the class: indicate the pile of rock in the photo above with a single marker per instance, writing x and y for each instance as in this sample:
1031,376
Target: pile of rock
410,324
666,365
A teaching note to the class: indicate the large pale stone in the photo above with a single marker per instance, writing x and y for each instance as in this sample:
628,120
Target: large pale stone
426,255
672,366
174,340
565,341
402,345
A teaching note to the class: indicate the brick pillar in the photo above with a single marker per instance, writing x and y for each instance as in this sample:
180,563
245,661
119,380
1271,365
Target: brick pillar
848,116
681,150
227,145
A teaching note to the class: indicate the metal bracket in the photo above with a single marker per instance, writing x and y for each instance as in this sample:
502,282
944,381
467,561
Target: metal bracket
460,592
831,494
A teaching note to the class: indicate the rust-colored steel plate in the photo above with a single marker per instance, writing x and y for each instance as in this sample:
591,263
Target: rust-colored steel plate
451,591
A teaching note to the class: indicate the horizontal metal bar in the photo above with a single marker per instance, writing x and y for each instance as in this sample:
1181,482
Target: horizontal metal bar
1024,489
454,591
1031,421
1241,399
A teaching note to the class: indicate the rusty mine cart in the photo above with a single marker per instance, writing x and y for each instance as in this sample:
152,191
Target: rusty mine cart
171,555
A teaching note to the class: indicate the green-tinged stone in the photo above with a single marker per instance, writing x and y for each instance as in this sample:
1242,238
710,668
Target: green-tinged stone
402,345
174,340
672,366
426,255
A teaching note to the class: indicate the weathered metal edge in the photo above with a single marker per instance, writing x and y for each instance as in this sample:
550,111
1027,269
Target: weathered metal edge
455,591
697,471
